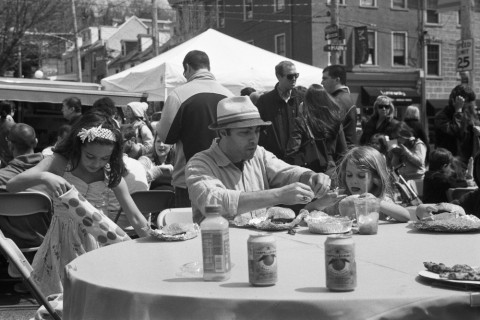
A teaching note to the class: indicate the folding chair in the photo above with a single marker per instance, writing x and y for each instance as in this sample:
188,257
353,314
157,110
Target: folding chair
151,201
23,204
169,216
16,257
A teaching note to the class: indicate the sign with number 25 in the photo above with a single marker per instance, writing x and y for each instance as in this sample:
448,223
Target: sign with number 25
465,55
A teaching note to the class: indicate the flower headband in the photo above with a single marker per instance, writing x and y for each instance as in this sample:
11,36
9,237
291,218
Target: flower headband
96,132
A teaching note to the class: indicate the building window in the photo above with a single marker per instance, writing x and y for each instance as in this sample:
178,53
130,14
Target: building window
399,48
94,60
399,4
433,60
279,5
372,48
247,9
280,46
220,14
82,62
368,3
432,16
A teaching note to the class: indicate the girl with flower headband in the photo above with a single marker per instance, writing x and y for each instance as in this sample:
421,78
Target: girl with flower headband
90,159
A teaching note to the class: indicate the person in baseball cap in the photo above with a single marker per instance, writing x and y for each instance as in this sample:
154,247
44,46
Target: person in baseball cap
242,176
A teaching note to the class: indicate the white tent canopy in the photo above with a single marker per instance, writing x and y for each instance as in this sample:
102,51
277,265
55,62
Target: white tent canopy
234,63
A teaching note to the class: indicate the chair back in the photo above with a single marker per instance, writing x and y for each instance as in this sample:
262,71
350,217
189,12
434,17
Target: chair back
16,257
24,203
149,201
169,216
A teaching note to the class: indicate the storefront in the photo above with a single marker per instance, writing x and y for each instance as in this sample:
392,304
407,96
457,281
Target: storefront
402,97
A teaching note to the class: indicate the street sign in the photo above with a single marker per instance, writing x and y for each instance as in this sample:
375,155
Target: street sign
331,32
335,47
465,55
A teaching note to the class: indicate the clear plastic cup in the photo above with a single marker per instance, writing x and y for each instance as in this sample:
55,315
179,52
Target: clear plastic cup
367,210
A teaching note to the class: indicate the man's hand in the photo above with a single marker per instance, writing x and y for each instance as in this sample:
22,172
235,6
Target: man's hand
295,193
320,184
326,201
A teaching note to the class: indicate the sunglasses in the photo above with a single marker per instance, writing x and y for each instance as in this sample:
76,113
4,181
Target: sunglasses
383,106
292,76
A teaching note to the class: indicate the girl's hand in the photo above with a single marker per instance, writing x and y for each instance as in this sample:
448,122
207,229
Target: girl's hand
55,184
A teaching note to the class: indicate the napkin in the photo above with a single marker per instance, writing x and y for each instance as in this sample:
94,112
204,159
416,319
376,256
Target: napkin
95,222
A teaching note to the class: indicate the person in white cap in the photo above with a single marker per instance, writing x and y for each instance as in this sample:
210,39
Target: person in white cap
242,176
135,113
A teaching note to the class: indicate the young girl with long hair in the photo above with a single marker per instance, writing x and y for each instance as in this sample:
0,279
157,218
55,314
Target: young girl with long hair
90,159
364,170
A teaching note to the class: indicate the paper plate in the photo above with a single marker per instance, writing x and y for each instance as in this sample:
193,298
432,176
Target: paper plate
157,233
436,276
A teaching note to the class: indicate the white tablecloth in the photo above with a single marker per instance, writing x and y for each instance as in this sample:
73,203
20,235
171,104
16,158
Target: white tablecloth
140,280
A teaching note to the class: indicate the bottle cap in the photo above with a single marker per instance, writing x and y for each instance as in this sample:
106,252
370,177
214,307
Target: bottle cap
213,207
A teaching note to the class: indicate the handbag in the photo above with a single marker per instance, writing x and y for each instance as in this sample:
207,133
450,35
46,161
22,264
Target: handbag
315,158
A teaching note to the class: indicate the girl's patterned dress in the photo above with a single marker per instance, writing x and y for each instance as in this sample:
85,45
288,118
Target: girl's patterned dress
66,239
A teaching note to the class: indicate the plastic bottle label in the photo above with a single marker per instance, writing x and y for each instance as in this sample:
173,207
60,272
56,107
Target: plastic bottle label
216,251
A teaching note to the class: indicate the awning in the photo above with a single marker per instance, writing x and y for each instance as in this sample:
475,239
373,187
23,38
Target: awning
400,96
58,94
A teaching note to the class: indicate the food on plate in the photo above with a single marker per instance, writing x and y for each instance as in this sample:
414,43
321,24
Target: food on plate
449,222
177,228
326,224
457,272
280,215
438,211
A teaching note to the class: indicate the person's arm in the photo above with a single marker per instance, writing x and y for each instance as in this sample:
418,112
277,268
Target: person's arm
147,140
169,112
451,127
134,216
416,156
47,172
394,210
350,126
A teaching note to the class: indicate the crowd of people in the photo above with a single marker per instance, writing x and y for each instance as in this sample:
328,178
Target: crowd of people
292,146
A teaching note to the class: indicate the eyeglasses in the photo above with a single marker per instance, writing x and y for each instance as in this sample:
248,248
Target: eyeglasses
383,106
292,76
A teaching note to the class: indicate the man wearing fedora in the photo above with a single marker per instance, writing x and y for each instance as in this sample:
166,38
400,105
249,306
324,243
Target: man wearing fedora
240,175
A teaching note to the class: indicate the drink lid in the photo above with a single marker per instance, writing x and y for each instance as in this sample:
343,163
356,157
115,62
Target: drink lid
213,207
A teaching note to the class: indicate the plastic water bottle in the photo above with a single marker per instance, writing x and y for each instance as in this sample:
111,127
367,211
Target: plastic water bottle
215,245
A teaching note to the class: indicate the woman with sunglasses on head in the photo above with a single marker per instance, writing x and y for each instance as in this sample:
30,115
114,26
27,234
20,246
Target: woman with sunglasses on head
382,121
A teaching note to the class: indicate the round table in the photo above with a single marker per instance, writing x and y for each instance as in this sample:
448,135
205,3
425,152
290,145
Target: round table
141,279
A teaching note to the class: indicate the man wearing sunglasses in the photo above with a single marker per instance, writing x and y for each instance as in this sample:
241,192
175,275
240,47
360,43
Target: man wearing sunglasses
280,107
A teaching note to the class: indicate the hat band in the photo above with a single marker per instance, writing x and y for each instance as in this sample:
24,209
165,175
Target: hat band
236,117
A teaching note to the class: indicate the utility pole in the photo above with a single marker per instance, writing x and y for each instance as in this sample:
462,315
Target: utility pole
423,69
77,49
334,20
466,9
155,27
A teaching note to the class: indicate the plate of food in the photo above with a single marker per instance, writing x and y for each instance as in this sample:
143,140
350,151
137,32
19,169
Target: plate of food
457,274
177,231
449,222
321,223
278,219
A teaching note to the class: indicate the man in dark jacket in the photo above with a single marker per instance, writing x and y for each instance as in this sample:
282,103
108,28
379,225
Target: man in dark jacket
450,130
334,81
25,231
280,107
188,111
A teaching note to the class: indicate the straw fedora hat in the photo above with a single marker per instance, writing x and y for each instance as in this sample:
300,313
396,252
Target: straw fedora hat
237,112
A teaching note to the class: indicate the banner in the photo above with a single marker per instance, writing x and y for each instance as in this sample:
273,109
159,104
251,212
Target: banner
361,45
